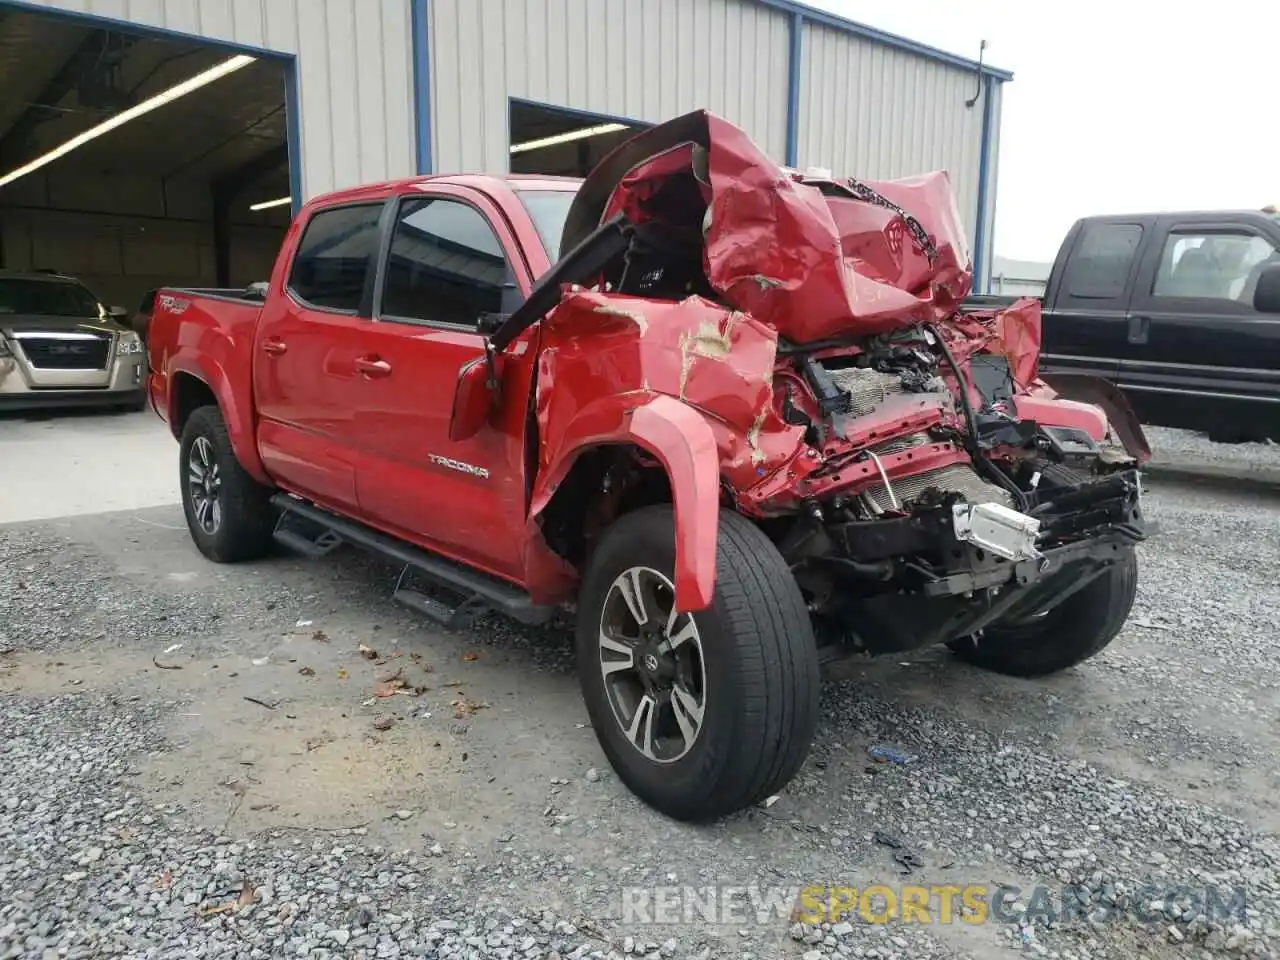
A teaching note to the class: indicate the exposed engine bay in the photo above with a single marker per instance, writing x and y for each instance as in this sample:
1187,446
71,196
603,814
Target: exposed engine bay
1022,516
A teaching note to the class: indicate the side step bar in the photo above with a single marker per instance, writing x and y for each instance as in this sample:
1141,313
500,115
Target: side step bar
477,591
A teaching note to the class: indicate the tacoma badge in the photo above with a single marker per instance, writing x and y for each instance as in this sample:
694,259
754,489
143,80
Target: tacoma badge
458,465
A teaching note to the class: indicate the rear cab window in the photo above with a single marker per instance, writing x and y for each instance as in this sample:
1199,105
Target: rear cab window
331,265
1102,262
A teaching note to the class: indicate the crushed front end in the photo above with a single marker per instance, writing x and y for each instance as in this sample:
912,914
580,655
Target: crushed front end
921,481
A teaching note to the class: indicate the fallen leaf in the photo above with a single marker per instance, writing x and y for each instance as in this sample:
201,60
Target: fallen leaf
306,671
466,706
470,657
388,688
342,674
321,636
386,723
214,911
368,652
246,895
164,881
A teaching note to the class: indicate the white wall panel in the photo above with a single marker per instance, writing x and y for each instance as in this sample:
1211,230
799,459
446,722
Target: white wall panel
641,59
875,112
354,72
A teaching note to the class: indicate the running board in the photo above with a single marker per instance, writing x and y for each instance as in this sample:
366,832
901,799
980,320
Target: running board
308,541
478,591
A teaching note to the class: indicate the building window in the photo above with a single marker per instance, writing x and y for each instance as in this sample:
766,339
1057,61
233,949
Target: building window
1099,267
1213,266
445,265
333,258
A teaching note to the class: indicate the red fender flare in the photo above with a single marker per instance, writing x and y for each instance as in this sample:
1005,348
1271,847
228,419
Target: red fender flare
680,439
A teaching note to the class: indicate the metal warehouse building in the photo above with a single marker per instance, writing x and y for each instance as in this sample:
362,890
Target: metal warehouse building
148,142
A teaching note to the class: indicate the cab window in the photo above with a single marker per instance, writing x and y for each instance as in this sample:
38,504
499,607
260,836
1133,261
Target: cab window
334,255
445,265
1212,265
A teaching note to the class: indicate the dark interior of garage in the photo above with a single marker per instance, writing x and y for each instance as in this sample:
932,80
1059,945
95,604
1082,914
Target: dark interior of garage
167,196
559,142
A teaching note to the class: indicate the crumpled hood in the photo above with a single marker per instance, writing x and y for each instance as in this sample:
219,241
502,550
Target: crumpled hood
812,258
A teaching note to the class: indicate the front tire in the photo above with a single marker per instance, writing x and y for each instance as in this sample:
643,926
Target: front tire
228,513
1079,628
700,714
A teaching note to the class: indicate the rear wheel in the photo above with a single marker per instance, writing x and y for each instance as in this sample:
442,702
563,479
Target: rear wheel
1067,635
700,714
228,513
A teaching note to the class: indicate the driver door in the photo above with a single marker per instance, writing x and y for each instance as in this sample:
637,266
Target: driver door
449,258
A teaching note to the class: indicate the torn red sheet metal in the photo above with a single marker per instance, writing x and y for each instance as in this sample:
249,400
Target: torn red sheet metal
1013,333
805,256
720,361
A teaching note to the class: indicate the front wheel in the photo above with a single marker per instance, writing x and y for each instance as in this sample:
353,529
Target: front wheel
700,714
1070,633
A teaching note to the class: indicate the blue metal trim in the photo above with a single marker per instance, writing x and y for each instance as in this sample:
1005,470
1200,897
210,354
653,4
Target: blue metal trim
420,21
128,26
794,53
881,36
981,227
293,132
587,115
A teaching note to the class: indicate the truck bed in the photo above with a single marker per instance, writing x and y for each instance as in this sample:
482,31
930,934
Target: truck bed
198,332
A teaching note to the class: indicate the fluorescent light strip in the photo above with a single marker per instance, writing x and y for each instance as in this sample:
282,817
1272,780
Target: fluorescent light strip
569,137
268,204
106,126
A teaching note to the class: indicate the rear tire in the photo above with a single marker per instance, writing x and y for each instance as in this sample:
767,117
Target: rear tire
1067,635
750,678
228,512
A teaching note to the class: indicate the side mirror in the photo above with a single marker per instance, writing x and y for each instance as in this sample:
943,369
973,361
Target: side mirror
117,313
475,396
1266,295
512,298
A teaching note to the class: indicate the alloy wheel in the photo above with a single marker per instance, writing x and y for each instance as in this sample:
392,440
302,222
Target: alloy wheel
652,663
204,484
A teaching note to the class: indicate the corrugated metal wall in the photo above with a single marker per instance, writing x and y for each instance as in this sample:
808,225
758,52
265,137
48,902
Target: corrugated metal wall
355,76
642,59
868,110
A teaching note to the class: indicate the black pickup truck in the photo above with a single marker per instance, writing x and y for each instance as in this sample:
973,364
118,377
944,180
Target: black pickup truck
1180,310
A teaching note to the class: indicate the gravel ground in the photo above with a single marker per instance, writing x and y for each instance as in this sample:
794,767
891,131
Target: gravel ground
1168,444
151,811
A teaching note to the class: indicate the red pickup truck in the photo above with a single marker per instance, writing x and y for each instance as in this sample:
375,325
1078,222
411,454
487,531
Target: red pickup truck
729,414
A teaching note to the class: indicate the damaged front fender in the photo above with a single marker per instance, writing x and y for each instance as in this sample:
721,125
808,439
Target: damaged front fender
682,441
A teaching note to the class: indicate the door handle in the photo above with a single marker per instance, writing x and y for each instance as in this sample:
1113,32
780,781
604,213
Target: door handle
1139,329
274,347
373,366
